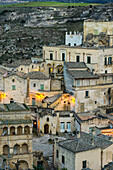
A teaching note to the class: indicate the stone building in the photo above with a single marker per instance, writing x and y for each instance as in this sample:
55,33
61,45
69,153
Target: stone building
25,66
29,88
83,152
88,92
16,135
53,122
73,39
56,123
98,59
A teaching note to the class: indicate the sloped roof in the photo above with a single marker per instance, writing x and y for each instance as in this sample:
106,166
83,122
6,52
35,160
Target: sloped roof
84,143
76,64
13,107
52,99
31,75
82,74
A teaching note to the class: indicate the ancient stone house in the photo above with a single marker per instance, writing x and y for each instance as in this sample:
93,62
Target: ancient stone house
83,152
53,122
16,135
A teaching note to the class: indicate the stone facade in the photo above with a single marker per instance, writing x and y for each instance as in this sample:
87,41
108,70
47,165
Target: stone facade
82,152
16,135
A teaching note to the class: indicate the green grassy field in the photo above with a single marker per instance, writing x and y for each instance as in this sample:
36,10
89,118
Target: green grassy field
50,4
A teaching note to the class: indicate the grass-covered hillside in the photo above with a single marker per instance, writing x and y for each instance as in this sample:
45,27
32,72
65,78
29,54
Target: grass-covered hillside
49,4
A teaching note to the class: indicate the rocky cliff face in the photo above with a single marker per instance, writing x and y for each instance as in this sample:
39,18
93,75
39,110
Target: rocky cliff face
24,31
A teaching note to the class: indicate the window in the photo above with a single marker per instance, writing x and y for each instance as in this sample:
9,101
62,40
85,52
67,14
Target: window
87,93
21,69
63,56
74,44
95,102
68,127
105,61
42,87
78,83
88,59
32,66
96,32
63,159
62,126
77,58
57,154
105,71
69,44
13,87
110,60
84,163
34,85
13,80
47,119
51,56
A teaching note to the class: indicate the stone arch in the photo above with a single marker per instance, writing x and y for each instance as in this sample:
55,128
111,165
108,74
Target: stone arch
49,68
24,148
5,131
23,165
26,130
19,130
12,130
16,149
46,128
59,68
5,149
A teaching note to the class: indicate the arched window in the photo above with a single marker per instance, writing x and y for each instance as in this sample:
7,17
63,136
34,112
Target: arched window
26,130
5,150
47,119
13,80
34,85
24,148
12,130
16,149
105,61
77,58
109,60
19,130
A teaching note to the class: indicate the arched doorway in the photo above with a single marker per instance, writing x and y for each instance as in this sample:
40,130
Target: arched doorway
23,165
46,129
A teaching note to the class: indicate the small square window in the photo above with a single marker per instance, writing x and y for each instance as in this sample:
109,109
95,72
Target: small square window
42,87
63,159
13,87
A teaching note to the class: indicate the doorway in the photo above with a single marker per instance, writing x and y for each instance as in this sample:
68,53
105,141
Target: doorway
46,129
